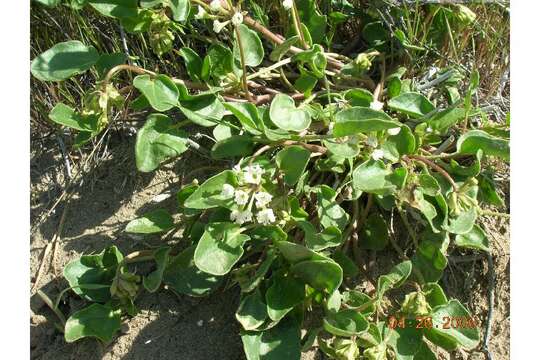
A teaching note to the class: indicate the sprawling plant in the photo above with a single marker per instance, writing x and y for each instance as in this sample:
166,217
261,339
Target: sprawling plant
319,157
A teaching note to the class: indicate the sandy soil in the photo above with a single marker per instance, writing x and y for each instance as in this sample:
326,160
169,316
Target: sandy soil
178,327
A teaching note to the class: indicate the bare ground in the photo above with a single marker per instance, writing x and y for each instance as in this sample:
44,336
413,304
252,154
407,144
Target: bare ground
179,327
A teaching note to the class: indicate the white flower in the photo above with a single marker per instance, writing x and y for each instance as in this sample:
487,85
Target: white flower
241,217
228,191
218,26
215,5
201,14
377,154
262,199
372,141
253,174
376,105
394,131
241,197
266,217
429,130
237,18
287,4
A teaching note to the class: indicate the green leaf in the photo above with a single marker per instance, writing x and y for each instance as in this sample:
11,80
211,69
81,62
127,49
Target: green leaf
252,311
359,97
248,116
192,60
355,299
286,116
218,62
329,212
358,119
413,104
346,323
107,61
152,281
281,342
329,237
115,8
374,233
66,116
434,294
208,195
220,247
283,295
398,145
251,342
464,336
184,277
158,141
236,145
295,253
156,221
49,3
445,119
343,147
292,160
204,110
475,239
429,184
395,278
319,274
160,90
252,283
430,259
371,177
463,223
180,9
470,142
96,320
407,342
283,48
487,192
98,269
251,44
139,23
312,19
350,269
63,61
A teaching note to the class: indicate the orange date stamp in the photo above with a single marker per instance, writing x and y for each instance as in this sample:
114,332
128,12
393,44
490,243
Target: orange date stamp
426,322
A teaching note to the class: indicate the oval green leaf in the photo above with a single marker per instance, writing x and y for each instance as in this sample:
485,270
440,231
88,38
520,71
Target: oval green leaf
160,90
158,141
96,320
286,116
63,61
359,119
220,247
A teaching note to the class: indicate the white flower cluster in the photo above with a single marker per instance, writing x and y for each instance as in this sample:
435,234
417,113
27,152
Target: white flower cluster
244,197
372,141
287,4
376,105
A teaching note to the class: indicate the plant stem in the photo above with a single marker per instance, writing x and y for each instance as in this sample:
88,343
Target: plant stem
436,168
298,26
494,213
243,62
408,226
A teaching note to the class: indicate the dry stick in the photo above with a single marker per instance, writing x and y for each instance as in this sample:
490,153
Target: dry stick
378,90
491,301
48,248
